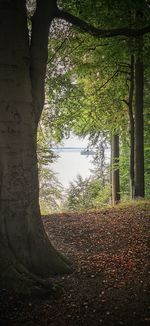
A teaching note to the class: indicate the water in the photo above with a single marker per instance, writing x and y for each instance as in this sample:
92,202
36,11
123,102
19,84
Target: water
70,162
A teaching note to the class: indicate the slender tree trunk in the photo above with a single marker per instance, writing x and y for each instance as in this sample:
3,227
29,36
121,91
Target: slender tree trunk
102,151
131,120
26,255
115,170
139,127
110,172
102,163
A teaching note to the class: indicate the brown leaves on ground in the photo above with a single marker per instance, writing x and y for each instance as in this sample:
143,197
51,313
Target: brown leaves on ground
109,284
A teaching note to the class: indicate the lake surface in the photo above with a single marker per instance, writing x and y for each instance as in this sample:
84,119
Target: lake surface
71,163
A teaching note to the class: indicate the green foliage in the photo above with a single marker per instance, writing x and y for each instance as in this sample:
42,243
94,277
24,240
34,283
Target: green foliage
108,13
87,92
76,194
86,194
88,79
124,167
50,191
45,142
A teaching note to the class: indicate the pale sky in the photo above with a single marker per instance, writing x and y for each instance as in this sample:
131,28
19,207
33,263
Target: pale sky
69,164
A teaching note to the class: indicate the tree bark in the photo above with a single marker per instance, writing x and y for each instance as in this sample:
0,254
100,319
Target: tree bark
139,126
131,120
115,170
41,21
26,255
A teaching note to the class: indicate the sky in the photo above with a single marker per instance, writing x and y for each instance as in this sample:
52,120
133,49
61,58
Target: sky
70,164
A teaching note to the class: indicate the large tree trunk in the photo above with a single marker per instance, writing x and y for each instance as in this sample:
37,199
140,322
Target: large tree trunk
26,255
115,170
139,128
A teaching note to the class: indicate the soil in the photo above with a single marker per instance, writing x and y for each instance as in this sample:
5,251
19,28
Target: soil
110,275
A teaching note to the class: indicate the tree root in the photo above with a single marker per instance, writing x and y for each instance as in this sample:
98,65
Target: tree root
18,278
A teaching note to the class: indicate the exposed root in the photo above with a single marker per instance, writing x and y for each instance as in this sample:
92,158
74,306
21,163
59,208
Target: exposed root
17,278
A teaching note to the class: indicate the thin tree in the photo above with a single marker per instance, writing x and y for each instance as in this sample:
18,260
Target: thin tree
129,103
139,124
115,169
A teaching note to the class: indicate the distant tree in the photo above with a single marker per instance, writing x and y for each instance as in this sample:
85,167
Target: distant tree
50,190
115,169
77,194
86,194
101,160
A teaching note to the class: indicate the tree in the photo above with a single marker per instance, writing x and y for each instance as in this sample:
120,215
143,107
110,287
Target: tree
138,14
77,196
139,127
50,190
26,255
147,128
129,103
101,168
86,194
115,170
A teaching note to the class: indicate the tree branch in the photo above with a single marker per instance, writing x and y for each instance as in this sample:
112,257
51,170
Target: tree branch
56,51
100,33
126,102
108,80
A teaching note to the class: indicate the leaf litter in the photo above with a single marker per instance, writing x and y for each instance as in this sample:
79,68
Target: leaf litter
109,252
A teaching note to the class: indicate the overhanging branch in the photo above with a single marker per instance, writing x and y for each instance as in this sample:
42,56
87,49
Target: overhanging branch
100,33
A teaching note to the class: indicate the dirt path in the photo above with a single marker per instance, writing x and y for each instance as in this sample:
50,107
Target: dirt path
109,283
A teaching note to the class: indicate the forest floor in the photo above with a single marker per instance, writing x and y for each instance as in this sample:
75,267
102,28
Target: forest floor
109,283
